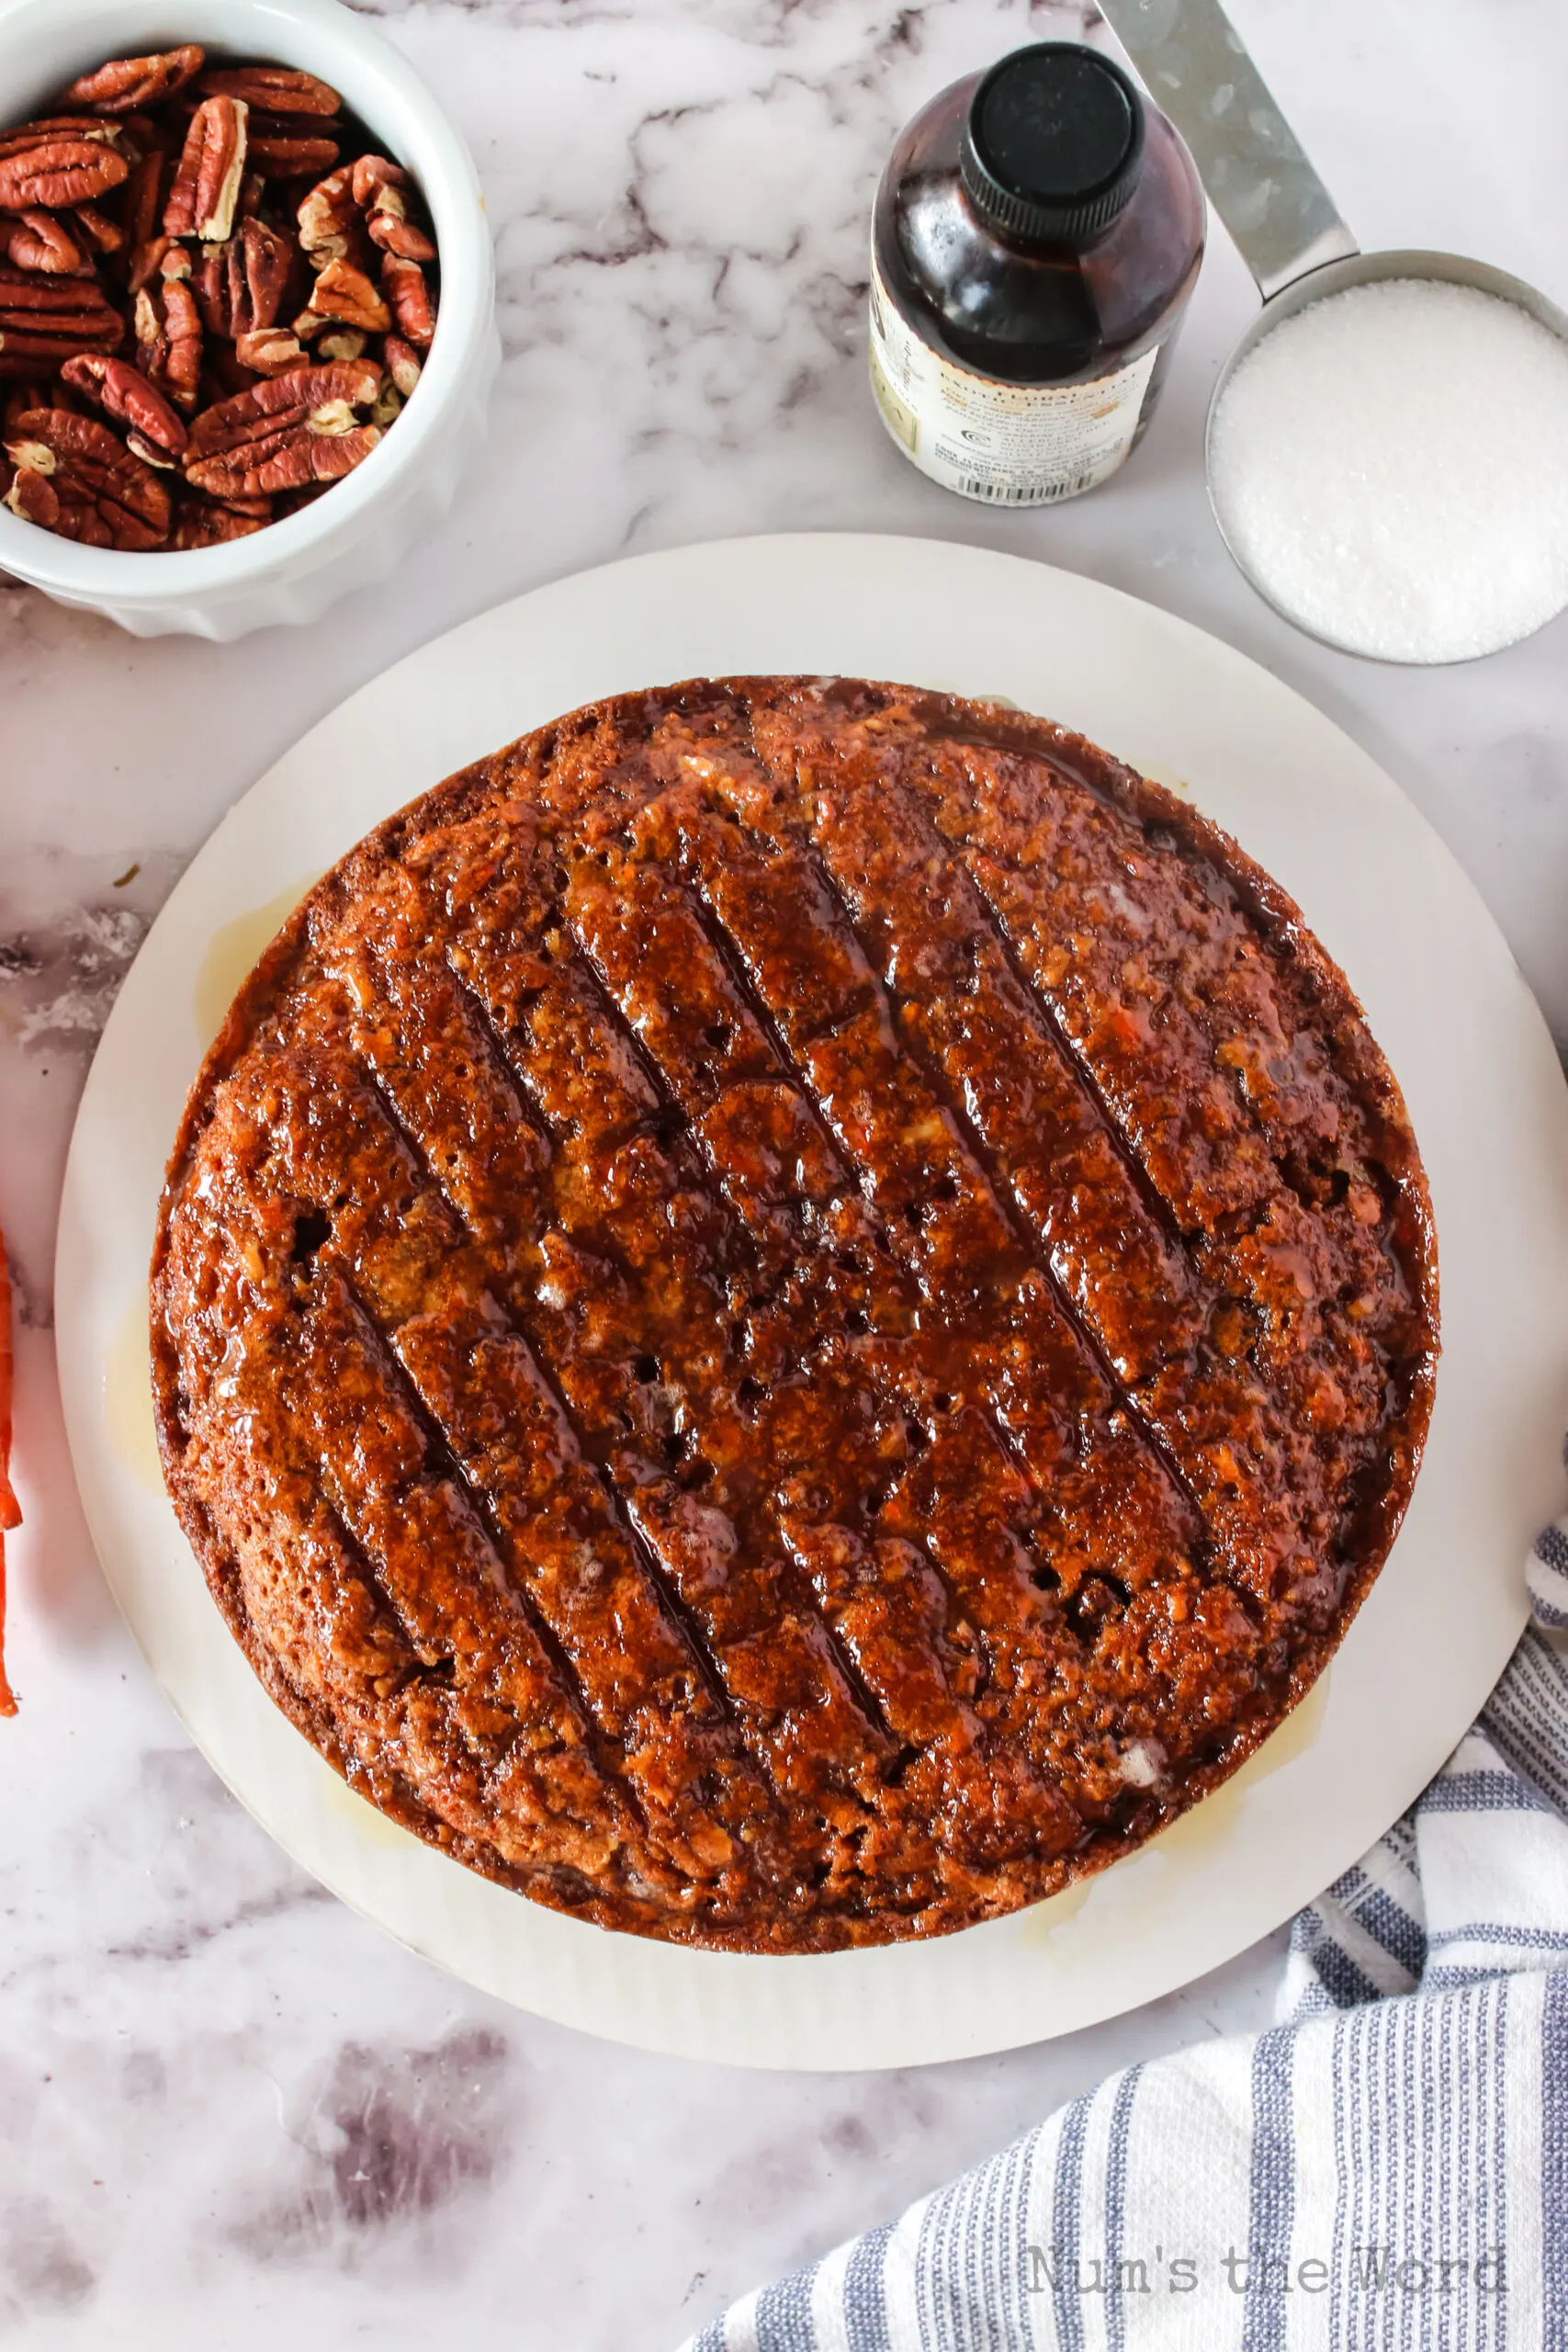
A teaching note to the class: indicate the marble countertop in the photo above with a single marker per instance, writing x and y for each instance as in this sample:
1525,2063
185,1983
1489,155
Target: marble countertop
228,2109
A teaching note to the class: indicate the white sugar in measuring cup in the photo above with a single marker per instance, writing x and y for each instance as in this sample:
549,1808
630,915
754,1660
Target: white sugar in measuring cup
1280,214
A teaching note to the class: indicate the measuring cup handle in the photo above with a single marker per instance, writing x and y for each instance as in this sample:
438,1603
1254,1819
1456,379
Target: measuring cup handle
1256,174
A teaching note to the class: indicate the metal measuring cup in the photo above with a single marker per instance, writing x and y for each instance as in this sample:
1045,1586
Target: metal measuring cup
1283,221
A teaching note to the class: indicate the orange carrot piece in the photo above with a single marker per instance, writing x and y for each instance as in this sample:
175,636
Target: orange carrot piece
10,1516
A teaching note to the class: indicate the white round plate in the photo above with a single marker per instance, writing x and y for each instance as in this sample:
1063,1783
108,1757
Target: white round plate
1444,998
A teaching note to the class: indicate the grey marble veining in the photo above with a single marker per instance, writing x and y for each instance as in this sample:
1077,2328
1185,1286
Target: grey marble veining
231,2112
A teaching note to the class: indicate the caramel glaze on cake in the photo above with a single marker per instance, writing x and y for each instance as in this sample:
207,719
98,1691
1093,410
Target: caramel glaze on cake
793,1313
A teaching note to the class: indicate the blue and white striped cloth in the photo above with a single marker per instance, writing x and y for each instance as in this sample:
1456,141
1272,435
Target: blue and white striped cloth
1384,2170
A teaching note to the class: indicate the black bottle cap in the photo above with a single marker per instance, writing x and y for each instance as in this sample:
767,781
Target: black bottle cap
1054,144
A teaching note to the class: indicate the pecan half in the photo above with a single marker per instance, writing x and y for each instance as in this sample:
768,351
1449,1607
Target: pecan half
380,191
37,241
270,351
61,126
121,392
56,168
404,363
343,343
404,284
127,83
395,233
239,285
168,333
106,234
107,497
46,320
207,179
209,283
31,496
371,175
280,150
286,431
146,326
271,90
204,525
145,197
345,294
330,228
147,261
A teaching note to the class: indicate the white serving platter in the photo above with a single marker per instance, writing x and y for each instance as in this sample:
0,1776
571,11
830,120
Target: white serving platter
1444,998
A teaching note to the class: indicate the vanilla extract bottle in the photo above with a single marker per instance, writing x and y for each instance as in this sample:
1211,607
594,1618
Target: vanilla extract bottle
1036,239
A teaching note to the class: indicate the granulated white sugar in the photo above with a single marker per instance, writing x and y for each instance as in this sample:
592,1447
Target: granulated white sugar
1392,467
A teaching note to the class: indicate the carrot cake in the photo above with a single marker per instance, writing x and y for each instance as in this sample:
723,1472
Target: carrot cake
793,1313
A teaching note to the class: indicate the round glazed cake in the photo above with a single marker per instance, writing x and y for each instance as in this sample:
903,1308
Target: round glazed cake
793,1313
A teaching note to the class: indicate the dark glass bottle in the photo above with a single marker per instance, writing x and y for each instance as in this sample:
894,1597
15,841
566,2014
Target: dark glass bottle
1037,236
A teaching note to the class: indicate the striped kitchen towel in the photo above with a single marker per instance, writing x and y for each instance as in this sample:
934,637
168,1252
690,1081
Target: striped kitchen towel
1385,2167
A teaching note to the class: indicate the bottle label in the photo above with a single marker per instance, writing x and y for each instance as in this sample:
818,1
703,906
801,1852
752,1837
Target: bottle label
1012,445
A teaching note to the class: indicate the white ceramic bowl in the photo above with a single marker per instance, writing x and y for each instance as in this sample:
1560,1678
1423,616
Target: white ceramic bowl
368,522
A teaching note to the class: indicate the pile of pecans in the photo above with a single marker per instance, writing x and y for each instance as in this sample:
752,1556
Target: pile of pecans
229,228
